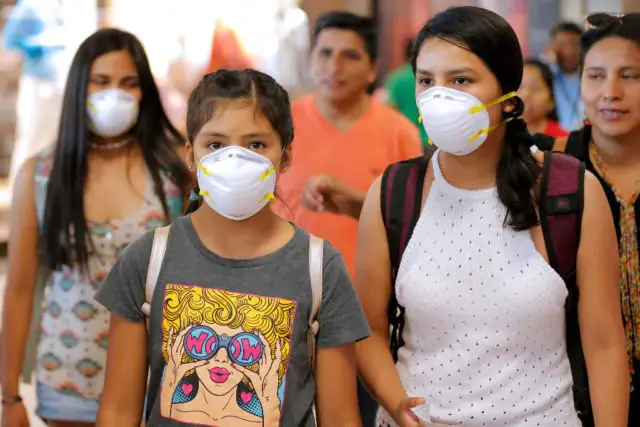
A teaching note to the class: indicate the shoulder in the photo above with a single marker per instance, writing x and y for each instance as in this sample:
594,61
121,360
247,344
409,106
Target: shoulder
136,255
392,118
301,106
596,204
554,129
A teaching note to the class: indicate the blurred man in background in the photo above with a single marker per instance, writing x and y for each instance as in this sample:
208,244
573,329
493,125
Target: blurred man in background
563,56
344,140
400,91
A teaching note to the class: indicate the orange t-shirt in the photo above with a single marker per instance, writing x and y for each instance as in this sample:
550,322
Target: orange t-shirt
357,156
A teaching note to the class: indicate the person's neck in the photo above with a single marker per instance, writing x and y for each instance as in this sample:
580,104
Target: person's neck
475,171
216,404
568,71
246,239
537,126
344,114
622,150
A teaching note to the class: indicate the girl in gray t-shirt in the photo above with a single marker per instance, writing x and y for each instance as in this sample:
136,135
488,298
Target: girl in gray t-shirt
227,340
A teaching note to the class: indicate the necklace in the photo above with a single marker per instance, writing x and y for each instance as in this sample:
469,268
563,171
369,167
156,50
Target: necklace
629,257
109,146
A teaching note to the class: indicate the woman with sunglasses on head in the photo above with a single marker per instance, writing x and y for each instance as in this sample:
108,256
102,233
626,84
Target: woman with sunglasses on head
229,311
482,319
114,174
610,147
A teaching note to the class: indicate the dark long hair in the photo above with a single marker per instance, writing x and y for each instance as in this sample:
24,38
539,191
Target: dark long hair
547,77
66,239
488,36
269,98
616,28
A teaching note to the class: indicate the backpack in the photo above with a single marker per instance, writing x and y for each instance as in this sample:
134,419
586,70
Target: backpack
560,204
316,260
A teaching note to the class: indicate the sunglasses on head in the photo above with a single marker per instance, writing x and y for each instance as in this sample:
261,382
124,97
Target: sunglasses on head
202,343
599,20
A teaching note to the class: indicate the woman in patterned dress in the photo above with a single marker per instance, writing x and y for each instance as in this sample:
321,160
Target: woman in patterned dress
115,173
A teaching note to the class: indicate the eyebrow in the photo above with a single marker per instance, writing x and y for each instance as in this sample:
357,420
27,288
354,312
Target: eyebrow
249,135
461,70
625,68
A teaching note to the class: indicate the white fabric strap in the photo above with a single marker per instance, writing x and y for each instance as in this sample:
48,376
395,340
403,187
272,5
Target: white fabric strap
316,260
160,237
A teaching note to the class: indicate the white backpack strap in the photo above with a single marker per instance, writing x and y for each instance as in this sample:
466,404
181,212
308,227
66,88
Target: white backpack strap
160,237
316,261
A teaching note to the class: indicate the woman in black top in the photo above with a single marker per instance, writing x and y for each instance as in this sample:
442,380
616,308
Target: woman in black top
609,144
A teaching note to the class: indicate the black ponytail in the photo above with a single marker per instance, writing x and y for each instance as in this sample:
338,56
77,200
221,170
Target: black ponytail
518,173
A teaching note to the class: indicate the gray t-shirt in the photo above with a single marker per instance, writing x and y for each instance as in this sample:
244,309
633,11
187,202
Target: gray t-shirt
257,310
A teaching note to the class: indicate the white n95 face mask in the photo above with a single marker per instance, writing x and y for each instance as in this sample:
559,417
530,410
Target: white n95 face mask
455,121
236,182
112,112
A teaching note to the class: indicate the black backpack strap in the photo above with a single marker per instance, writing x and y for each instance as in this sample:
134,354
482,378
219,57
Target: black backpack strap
401,202
561,205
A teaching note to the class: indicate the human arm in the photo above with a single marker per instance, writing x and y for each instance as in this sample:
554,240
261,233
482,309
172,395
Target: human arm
336,392
342,323
122,401
602,333
123,294
373,285
20,286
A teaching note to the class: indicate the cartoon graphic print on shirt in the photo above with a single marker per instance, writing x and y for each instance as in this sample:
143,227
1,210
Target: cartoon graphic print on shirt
227,356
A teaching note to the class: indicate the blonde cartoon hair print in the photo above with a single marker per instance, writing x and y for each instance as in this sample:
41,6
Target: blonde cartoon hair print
227,356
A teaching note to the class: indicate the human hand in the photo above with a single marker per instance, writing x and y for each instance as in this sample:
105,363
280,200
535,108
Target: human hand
175,368
327,193
404,415
14,415
265,381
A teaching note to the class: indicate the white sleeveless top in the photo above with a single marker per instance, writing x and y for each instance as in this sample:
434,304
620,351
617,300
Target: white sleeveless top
485,328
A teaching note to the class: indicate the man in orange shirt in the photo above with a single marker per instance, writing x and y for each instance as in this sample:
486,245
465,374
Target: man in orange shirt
344,139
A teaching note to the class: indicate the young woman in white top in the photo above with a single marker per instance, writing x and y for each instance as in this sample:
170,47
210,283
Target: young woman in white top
484,336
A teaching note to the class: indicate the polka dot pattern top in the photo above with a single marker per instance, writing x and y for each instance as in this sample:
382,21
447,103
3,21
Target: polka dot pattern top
484,334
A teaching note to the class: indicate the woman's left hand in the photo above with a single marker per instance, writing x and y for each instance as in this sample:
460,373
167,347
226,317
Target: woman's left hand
265,381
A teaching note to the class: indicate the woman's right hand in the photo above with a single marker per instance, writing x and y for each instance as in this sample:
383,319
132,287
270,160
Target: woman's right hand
175,368
14,415
404,415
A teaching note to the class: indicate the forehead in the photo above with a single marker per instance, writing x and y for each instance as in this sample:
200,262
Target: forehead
115,62
566,36
341,39
613,52
235,117
438,55
531,72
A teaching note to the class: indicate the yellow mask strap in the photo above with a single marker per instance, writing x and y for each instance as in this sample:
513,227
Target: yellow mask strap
503,98
268,196
489,129
204,193
203,169
266,173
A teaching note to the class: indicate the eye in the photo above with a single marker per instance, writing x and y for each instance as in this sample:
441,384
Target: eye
595,76
460,81
132,84
215,145
630,76
256,145
426,81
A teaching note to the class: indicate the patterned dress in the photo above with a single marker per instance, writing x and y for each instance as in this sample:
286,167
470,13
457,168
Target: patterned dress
72,345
